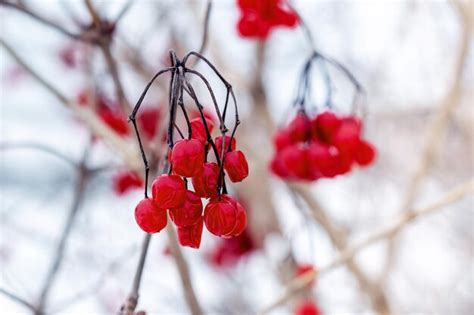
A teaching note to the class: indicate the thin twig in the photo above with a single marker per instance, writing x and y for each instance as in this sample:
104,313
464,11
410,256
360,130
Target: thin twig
304,280
81,184
39,147
85,113
183,269
17,299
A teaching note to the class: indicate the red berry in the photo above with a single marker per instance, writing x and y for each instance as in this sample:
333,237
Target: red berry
190,236
236,166
218,143
241,221
347,137
282,139
189,213
126,180
220,216
169,191
304,268
365,153
300,128
307,308
295,161
150,218
199,130
324,126
205,183
187,157
114,119
148,121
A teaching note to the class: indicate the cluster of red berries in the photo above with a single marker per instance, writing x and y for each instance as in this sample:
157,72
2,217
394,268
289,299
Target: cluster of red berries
324,146
223,215
259,17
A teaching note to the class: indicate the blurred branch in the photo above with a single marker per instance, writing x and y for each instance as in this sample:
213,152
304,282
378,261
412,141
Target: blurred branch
206,27
39,147
23,9
339,238
17,299
183,269
100,129
81,184
124,10
128,308
399,224
435,130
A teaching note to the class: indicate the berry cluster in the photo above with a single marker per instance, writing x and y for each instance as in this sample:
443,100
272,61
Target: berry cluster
188,160
324,146
259,17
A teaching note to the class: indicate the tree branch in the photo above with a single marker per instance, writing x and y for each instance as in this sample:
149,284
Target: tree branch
304,280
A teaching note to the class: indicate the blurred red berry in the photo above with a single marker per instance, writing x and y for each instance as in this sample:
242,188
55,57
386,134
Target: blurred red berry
115,119
282,139
190,236
307,308
325,125
187,157
230,250
125,181
189,213
150,218
304,268
148,119
236,166
169,191
205,183
259,17
365,153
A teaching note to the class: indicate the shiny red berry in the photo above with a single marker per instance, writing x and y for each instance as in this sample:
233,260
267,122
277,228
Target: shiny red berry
150,218
205,183
199,130
218,143
220,216
169,191
190,236
187,157
236,166
189,213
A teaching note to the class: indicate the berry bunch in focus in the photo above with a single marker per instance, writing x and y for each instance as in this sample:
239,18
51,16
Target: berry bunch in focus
325,145
189,161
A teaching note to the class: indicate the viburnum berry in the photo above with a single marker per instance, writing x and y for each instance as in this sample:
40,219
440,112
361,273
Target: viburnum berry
199,130
232,144
307,308
220,216
150,218
304,268
325,146
187,157
115,119
230,250
259,17
205,183
190,236
148,121
126,180
236,166
189,213
169,191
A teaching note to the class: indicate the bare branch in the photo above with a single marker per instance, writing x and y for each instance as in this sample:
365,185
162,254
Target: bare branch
304,280
81,184
85,113
182,265
39,147
17,299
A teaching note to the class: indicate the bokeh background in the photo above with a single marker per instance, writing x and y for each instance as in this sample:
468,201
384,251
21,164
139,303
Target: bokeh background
415,62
